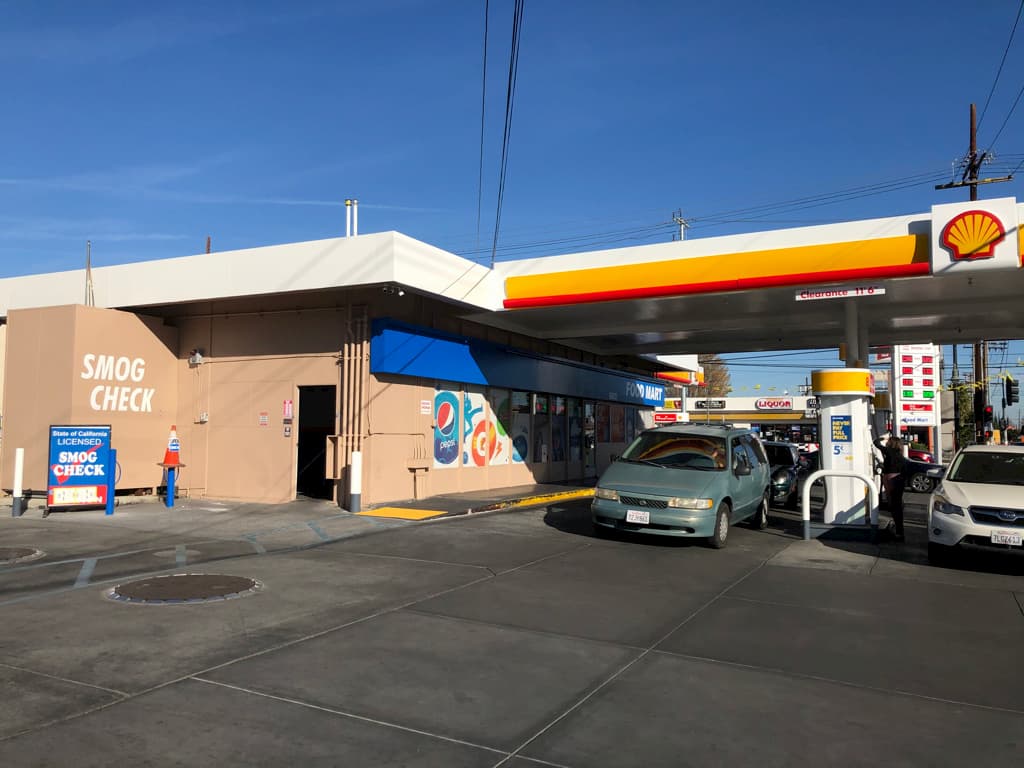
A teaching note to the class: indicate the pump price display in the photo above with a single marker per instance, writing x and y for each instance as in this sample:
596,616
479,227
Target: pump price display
842,436
78,466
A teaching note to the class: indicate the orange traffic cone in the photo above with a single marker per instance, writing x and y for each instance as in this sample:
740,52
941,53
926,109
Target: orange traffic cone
172,456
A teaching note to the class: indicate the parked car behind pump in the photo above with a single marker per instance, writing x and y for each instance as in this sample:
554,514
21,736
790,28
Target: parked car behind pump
786,469
979,502
920,475
685,480
918,455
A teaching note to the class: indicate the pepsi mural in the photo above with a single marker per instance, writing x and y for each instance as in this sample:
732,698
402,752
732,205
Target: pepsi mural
446,433
484,439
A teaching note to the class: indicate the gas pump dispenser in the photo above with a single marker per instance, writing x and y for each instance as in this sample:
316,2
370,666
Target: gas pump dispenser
844,430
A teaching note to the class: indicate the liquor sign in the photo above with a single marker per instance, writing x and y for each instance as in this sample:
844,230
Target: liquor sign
774,404
78,466
914,384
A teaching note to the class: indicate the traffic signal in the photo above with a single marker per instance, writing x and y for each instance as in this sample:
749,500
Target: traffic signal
988,414
1012,390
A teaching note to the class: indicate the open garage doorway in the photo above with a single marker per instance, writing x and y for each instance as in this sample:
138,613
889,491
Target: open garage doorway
317,406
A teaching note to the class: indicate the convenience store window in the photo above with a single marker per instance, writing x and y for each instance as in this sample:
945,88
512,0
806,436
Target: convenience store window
558,428
541,429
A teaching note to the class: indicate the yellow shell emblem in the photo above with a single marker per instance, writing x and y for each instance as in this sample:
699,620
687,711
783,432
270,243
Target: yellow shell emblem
973,235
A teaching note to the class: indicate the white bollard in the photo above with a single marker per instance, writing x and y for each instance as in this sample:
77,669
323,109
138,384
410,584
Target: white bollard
355,481
18,505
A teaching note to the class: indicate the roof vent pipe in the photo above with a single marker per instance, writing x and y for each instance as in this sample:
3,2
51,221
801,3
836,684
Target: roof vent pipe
355,217
348,218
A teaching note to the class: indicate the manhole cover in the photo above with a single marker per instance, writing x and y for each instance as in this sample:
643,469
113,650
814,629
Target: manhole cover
184,588
11,555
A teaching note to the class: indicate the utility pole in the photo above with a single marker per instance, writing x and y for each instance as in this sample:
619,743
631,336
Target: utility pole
980,348
684,225
972,166
955,384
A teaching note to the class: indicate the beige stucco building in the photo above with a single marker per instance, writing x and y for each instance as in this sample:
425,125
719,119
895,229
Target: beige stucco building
276,364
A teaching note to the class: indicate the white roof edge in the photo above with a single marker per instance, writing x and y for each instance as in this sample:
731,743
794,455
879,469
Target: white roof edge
341,262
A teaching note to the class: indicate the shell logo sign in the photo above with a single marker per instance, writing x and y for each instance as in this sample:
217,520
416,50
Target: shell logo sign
973,235
976,236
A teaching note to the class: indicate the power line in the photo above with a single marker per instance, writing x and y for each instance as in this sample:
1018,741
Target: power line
510,95
664,227
1008,115
1001,63
483,112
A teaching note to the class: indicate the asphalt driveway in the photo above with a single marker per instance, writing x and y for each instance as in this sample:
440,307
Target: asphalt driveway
518,639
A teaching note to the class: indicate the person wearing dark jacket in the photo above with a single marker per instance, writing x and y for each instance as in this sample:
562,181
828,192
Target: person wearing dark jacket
894,465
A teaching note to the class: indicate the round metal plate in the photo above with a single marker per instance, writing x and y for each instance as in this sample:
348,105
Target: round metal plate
184,588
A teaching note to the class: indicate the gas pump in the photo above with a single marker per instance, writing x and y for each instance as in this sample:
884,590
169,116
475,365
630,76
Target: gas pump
844,430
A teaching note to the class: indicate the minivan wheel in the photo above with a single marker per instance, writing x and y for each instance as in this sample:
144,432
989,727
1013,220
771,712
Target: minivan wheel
721,535
760,519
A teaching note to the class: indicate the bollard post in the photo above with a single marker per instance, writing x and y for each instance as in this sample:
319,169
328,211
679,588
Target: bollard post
169,498
355,482
111,482
18,503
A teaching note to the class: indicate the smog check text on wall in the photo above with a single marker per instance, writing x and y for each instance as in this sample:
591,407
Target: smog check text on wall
120,396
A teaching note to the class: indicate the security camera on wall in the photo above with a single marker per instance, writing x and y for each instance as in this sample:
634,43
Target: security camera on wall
195,357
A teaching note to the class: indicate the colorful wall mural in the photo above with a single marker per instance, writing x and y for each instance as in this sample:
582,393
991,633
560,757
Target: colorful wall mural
446,429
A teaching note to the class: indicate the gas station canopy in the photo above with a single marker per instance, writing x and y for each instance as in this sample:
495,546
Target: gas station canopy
952,276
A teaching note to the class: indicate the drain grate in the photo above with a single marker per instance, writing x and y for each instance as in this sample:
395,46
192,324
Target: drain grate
184,588
12,555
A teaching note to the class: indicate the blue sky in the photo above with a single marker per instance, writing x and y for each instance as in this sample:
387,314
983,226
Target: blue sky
146,128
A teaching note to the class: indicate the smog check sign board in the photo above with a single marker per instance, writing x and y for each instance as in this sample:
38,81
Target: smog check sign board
78,466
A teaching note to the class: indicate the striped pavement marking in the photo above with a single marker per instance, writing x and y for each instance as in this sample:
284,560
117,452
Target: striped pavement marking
85,574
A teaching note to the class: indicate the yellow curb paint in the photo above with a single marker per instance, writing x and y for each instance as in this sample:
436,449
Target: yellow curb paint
530,501
402,513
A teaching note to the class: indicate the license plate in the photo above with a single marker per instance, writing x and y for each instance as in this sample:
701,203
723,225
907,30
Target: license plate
1006,537
643,517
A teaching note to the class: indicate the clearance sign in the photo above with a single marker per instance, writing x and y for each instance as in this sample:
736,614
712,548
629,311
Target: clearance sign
79,468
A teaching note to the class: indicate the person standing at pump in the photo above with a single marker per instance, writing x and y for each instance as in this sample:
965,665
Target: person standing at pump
893,466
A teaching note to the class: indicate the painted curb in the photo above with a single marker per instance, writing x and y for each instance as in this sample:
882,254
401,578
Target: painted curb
533,501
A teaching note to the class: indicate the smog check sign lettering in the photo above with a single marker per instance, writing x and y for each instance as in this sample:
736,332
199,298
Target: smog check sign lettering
78,466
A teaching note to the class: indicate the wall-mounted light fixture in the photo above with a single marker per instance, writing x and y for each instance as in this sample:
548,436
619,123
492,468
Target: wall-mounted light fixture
195,357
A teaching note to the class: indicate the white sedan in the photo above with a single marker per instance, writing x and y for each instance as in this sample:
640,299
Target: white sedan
980,501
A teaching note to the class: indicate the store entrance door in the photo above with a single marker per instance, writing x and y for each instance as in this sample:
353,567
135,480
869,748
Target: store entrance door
316,422
589,440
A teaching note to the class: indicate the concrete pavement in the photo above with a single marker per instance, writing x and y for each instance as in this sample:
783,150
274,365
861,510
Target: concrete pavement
513,638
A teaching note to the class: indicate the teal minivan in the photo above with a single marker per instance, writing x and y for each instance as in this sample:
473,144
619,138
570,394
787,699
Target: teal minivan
690,480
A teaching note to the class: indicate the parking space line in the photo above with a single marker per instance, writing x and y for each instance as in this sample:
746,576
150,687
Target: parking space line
180,555
85,574
260,549
320,532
